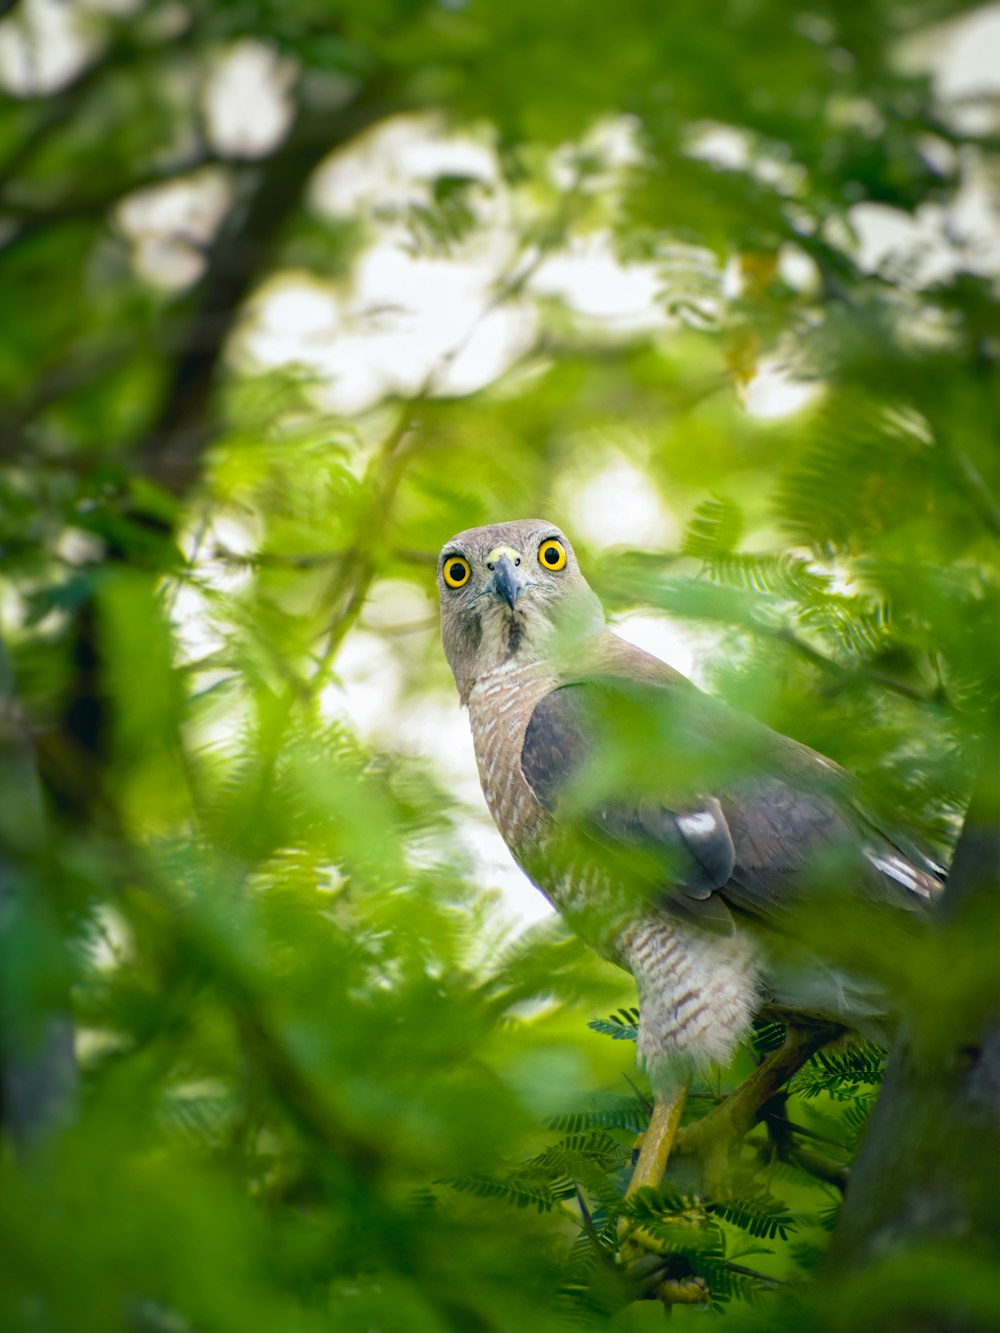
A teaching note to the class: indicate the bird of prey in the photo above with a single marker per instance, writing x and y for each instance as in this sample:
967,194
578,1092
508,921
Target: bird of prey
675,834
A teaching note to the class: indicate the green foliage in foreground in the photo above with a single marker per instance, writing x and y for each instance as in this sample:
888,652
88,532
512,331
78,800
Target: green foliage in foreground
694,1236
320,1082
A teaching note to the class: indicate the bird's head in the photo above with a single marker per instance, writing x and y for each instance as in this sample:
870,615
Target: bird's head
511,591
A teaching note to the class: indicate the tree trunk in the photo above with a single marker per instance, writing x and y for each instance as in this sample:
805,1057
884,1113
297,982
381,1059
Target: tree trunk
929,1167
38,1076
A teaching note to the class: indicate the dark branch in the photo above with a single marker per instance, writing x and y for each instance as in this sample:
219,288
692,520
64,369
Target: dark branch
271,194
919,1173
38,1076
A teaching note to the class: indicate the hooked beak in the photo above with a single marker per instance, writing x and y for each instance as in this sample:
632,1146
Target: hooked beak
505,582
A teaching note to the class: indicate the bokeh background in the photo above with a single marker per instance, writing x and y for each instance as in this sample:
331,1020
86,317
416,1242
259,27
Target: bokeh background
292,292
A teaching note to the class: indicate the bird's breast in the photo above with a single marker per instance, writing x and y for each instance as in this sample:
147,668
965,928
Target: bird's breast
500,706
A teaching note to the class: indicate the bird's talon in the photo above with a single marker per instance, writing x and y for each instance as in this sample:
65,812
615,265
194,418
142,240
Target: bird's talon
655,1283
681,1291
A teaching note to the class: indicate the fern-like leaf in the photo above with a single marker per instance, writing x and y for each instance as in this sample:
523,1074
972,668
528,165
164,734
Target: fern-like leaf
841,1075
611,1113
760,1214
621,1026
768,1037
715,530
521,1190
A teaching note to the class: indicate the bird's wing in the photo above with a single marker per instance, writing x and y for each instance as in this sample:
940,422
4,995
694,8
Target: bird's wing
735,811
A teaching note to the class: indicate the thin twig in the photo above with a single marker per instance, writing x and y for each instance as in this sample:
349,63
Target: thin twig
754,1273
646,1104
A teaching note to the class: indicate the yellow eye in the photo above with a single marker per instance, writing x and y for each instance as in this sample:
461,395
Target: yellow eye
456,571
552,554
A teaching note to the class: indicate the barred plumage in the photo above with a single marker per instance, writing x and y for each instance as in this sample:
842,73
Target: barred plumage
675,879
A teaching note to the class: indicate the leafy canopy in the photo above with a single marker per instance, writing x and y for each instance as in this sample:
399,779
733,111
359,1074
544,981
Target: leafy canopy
239,846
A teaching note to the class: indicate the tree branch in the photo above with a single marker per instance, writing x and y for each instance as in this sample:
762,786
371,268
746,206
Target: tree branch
243,248
38,1077
919,1172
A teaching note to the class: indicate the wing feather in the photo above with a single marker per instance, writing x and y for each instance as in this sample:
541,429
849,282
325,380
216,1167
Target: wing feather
752,842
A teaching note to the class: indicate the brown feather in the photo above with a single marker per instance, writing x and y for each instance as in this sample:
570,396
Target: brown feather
712,811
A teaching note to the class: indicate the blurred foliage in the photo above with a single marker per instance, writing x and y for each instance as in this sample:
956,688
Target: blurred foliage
317,1065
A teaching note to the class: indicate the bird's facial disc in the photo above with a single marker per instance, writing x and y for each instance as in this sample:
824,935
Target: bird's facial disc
508,592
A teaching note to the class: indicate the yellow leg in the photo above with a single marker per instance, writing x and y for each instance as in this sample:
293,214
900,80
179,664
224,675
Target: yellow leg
710,1138
653,1156
657,1143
